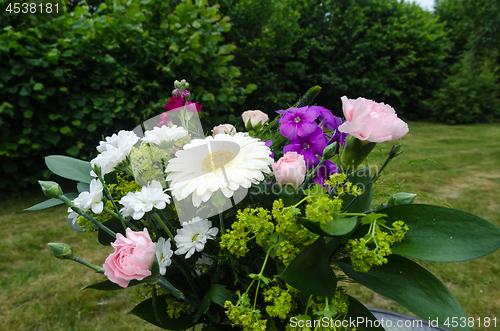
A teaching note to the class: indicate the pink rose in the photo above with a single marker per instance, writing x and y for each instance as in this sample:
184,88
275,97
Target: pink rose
256,118
290,169
371,121
174,103
224,128
133,257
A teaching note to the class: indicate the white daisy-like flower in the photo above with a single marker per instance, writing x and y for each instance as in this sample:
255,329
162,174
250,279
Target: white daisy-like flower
223,162
114,150
150,196
165,133
202,265
163,254
87,201
193,236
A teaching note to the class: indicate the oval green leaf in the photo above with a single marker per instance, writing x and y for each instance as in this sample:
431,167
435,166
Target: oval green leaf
69,168
443,234
415,288
310,271
338,227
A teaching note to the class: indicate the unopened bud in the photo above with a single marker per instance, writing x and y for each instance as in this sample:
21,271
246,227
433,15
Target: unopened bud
185,94
61,251
50,189
395,151
176,92
401,198
177,84
330,150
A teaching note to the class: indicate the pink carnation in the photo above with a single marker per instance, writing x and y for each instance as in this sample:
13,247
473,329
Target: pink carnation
290,169
133,257
371,121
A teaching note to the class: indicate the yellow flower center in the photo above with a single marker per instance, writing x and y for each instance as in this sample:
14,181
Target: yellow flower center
194,238
216,160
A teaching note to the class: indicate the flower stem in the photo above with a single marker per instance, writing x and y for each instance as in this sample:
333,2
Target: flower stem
91,266
164,227
88,217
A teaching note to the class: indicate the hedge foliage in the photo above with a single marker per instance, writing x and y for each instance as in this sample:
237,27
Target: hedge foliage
385,50
65,84
468,94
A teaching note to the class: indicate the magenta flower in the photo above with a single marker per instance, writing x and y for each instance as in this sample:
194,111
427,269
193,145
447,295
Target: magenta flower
309,146
298,123
177,102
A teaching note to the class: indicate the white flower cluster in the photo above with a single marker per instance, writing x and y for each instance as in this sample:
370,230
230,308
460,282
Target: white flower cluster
150,196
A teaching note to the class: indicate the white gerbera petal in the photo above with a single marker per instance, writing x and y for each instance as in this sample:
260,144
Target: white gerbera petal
193,236
223,162
165,133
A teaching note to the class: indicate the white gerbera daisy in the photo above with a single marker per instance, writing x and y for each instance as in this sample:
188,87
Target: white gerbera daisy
165,133
150,196
114,150
87,201
223,162
163,254
193,236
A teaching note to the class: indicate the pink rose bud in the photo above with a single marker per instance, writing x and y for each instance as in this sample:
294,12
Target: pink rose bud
133,257
371,121
290,169
254,119
176,92
185,94
224,128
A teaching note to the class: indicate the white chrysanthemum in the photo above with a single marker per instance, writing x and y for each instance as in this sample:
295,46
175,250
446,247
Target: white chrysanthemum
165,133
193,236
91,200
163,254
114,150
202,265
150,196
226,164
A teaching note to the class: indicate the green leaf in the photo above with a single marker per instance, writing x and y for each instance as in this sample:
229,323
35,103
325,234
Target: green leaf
69,168
407,283
108,285
217,294
310,271
356,311
338,227
38,86
52,202
359,204
65,130
443,234
145,311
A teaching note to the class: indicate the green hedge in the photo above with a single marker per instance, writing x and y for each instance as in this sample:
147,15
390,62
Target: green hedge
385,50
69,82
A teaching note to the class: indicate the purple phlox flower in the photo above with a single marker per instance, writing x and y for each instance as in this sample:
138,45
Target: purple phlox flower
283,112
326,118
309,146
324,172
268,144
298,123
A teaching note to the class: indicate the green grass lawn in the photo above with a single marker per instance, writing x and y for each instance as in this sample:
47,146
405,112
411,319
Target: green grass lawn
39,292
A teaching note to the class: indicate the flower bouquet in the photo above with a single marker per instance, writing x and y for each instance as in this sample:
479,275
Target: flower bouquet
264,229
